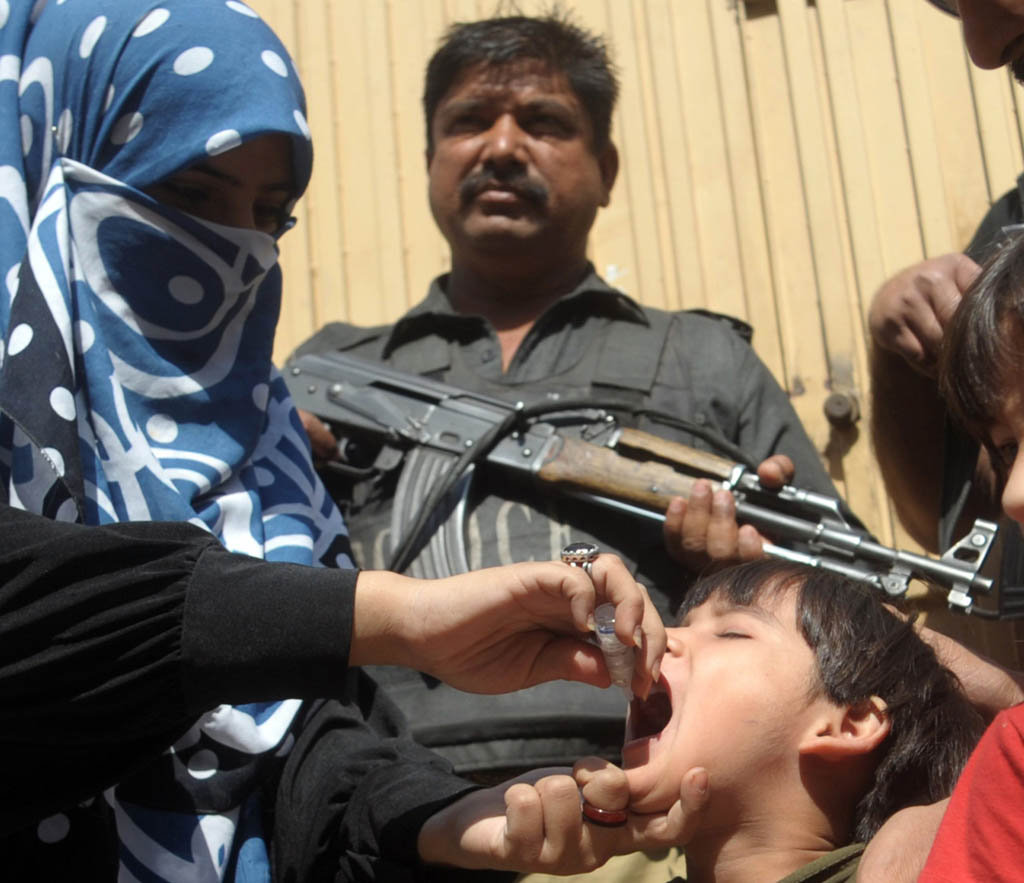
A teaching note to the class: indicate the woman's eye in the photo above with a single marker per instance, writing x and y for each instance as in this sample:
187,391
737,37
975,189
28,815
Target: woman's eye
186,193
271,218
732,634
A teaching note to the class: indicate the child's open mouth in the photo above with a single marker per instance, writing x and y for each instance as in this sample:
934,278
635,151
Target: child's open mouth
649,718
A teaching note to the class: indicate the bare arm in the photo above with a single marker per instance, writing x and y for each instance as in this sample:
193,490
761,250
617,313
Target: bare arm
907,320
907,425
897,853
534,823
505,628
990,687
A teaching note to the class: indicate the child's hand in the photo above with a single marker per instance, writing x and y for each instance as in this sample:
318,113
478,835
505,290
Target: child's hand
534,823
604,785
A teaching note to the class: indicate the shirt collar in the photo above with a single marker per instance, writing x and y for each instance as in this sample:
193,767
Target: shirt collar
435,314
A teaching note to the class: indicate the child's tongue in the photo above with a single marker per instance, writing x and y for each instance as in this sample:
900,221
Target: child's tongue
651,717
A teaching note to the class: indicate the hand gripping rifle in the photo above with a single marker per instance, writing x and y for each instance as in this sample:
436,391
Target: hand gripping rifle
438,434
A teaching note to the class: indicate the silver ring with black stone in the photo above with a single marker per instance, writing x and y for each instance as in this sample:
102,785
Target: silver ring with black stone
580,555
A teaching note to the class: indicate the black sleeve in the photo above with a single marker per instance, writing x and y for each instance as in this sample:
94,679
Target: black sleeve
354,794
113,639
336,336
1005,212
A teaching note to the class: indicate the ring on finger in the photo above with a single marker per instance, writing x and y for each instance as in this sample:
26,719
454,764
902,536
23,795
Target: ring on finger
608,818
581,555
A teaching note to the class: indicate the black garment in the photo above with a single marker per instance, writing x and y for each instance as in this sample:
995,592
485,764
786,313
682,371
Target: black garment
114,639
358,820
1006,213
961,451
594,343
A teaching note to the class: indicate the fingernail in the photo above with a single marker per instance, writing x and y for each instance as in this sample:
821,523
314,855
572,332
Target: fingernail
638,636
722,503
656,671
700,781
676,505
701,489
591,622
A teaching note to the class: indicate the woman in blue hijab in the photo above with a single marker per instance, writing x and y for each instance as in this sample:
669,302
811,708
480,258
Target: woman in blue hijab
150,153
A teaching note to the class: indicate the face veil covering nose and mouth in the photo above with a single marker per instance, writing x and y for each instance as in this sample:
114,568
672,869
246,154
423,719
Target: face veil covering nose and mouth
136,380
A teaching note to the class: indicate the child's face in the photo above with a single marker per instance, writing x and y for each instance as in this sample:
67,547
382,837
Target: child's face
1006,436
739,681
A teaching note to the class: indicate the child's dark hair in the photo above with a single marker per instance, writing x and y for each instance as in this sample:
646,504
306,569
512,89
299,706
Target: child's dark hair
505,41
983,347
863,650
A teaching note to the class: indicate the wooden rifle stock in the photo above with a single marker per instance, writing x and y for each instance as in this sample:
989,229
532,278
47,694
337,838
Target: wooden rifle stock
570,463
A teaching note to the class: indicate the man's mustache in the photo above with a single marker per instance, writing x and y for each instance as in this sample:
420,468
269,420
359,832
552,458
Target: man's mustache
519,183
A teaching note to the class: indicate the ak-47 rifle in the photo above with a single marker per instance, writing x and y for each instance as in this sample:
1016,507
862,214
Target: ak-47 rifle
437,434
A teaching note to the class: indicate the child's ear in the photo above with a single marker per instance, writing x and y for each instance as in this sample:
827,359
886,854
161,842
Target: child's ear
847,730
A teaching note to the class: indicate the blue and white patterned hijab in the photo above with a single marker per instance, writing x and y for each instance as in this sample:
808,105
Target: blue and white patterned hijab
135,343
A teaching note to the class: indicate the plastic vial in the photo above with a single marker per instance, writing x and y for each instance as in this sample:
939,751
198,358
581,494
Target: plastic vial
617,656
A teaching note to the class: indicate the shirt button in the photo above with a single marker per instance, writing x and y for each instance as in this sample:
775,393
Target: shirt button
487,354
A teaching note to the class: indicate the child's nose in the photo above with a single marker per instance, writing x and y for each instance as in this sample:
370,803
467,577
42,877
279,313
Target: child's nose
1013,492
676,643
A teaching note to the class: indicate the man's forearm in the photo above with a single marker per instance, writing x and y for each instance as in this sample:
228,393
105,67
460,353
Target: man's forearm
907,425
990,687
897,853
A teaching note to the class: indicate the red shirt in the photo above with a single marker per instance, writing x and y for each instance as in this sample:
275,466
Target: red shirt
981,837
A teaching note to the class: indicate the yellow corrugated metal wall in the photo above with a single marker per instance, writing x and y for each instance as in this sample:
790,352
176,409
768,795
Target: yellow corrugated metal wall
780,159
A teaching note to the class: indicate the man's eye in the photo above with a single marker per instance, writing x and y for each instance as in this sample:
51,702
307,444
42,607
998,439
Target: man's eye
732,634
467,123
548,125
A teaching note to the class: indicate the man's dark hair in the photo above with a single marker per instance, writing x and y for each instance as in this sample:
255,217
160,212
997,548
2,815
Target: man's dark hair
862,650
553,40
983,348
